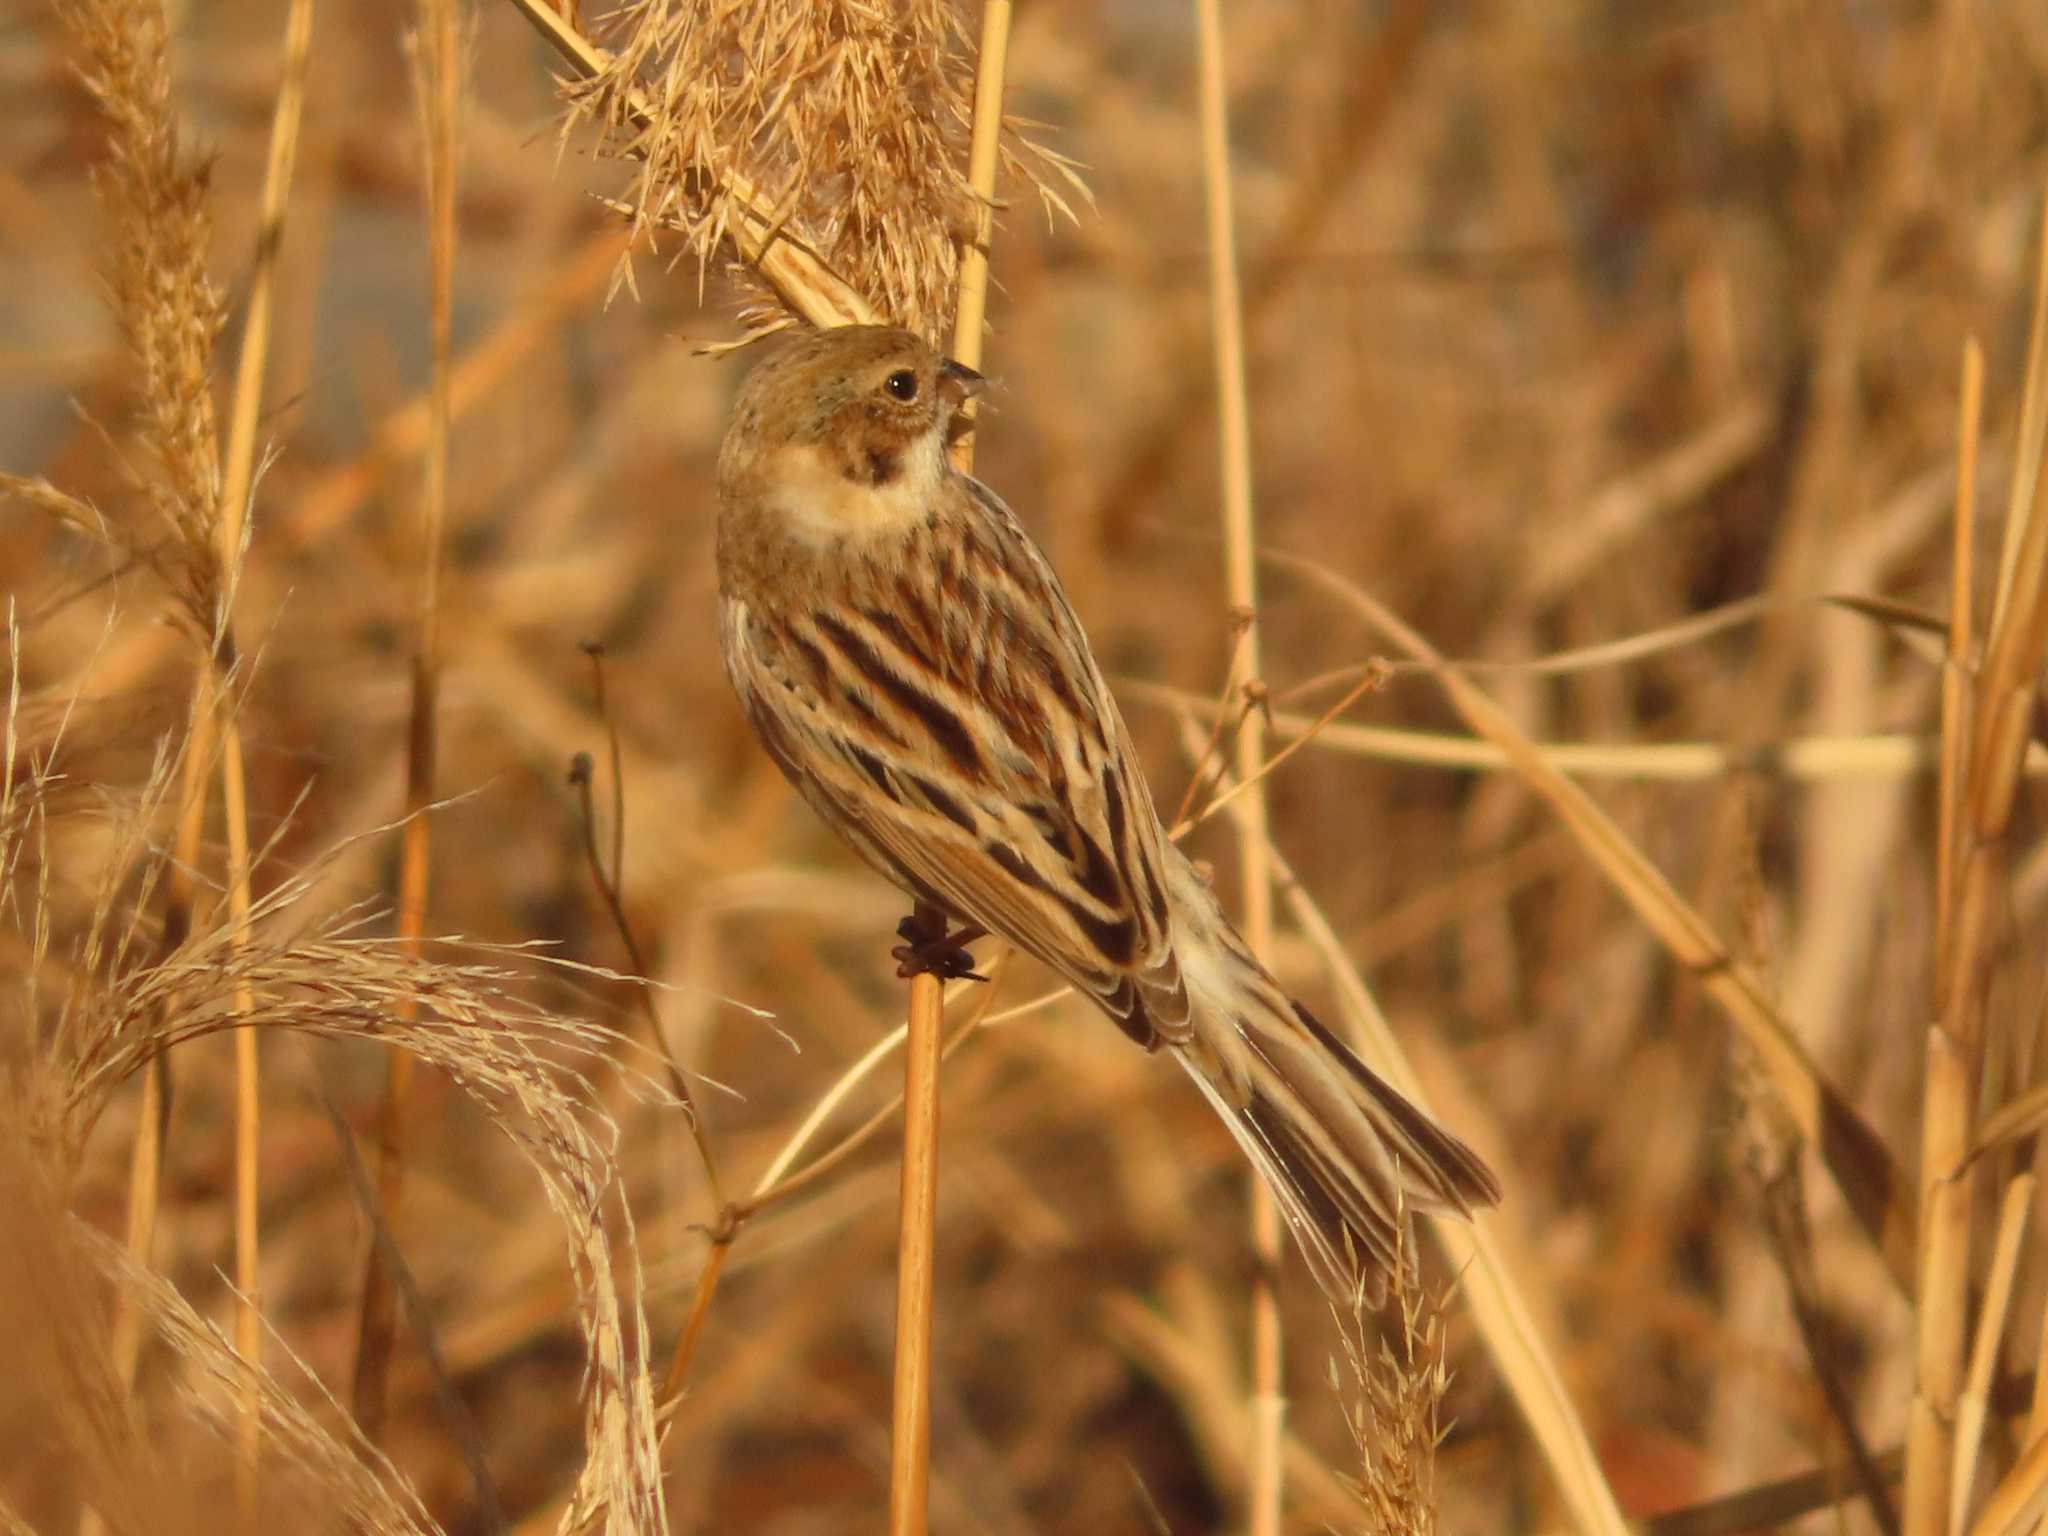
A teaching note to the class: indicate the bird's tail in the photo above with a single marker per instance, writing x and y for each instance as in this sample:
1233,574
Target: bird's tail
1343,1152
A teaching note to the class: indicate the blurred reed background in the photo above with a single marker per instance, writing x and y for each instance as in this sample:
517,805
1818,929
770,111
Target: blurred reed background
1566,322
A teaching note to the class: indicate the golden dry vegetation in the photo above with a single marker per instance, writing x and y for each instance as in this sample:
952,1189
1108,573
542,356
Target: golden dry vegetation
1609,348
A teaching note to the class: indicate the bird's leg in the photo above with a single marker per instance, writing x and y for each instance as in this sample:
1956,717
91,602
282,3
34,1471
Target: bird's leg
929,948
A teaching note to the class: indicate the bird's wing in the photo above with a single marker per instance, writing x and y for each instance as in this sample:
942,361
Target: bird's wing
956,731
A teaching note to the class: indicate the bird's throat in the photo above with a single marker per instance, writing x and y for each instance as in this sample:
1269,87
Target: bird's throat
826,497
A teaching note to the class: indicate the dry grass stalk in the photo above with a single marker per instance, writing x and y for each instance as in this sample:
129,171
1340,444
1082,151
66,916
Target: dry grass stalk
1997,726
231,540
1861,1166
1773,1166
249,1331
439,76
778,1182
1974,1408
1934,1501
1497,1298
231,536
1805,759
1955,674
1226,313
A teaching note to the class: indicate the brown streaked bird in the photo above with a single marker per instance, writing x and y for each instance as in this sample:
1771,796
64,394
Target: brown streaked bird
908,658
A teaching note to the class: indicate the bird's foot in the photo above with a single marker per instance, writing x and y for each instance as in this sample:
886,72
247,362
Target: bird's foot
930,949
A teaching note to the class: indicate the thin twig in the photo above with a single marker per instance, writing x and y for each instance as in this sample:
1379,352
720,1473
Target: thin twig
438,85
1791,1241
469,1441
778,1184
1803,759
1223,721
1224,796
610,888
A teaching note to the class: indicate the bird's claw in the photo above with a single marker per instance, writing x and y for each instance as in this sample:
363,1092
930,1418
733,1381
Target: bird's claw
928,949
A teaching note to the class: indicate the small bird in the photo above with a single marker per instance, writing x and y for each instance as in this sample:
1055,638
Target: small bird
908,658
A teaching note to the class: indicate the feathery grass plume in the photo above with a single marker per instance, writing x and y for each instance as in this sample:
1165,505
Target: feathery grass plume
342,1483
76,1437
1396,1401
64,1397
126,997
160,229
848,119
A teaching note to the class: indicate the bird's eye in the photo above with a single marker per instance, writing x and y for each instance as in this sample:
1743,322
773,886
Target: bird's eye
902,385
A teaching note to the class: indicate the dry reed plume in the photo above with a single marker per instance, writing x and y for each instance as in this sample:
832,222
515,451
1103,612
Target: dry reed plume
844,124
1394,1387
159,234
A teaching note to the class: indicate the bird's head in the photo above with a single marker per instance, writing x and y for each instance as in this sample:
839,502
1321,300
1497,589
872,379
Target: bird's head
844,430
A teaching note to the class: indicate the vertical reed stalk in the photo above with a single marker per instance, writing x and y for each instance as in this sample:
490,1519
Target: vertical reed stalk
248,1110
1975,1408
238,483
1997,732
982,157
910,1440
1944,1229
1268,1406
916,1252
1955,675
438,66
145,1166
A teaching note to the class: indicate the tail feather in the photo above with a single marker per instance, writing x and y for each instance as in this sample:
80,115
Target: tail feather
1454,1176
1345,1155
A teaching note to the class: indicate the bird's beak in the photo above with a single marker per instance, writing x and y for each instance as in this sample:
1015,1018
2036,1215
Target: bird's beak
959,383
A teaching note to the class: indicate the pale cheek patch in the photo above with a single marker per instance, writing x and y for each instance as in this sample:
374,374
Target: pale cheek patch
820,505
